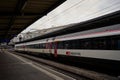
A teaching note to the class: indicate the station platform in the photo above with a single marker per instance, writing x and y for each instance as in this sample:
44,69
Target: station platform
12,68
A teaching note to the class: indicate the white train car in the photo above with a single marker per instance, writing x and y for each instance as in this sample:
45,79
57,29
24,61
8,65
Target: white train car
99,48
100,43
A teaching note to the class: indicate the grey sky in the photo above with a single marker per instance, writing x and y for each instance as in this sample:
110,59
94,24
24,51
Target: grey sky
73,11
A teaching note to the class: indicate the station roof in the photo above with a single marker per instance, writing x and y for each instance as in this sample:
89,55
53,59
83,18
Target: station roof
102,21
16,15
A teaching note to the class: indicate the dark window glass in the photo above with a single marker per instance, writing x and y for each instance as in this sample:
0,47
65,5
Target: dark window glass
66,45
73,44
118,44
99,43
60,45
111,43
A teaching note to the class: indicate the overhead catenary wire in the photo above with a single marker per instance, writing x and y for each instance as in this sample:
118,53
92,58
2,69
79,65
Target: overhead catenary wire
65,10
79,4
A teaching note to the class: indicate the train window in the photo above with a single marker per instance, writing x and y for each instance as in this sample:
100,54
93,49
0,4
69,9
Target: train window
108,43
118,44
54,45
63,44
94,44
66,45
51,45
78,44
73,44
35,45
60,45
83,44
104,43
70,44
97,43
28,46
31,46
43,45
112,43
40,46
87,44
46,45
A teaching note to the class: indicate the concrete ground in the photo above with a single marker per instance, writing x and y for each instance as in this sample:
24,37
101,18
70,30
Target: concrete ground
12,68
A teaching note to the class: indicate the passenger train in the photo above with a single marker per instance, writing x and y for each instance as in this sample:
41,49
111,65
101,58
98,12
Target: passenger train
99,46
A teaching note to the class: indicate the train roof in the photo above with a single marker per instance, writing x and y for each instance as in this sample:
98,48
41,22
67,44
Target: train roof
102,21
